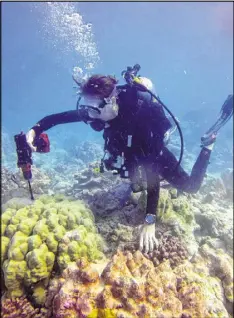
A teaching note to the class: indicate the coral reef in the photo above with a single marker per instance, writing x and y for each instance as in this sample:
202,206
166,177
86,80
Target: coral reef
112,199
116,231
80,242
200,293
219,264
121,233
130,286
175,211
212,269
8,186
55,234
170,248
217,189
14,185
21,307
227,177
90,181
51,232
88,151
215,221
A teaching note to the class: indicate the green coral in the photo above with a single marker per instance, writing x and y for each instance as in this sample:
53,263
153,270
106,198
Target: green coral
4,245
171,209
221,265
176,212
79,243
14,272
194,277
40,262
53,230
39,293
34,242
181,207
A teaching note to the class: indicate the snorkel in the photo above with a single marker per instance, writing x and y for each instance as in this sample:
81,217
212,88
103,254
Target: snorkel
130,76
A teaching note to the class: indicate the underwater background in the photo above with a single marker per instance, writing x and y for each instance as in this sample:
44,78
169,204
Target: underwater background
49,247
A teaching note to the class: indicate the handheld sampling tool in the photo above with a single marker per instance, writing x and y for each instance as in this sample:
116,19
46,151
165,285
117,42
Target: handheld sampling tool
24,154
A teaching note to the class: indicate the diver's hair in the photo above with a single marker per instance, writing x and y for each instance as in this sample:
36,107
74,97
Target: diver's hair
99,85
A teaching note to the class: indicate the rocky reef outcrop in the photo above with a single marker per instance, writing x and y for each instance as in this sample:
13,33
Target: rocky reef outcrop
130,286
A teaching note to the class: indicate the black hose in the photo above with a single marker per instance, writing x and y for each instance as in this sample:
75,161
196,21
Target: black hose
179,129
144,89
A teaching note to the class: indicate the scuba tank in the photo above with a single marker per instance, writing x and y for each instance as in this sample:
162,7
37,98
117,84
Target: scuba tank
130,76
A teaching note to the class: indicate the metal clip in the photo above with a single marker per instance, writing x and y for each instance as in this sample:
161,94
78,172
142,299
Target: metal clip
122,158
126,173
129,143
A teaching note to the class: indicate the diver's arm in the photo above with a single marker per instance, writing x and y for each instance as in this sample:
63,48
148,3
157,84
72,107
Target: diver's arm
50,121
148,239
59,118
153,189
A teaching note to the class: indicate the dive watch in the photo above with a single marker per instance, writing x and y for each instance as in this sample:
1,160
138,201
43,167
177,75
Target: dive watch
150,218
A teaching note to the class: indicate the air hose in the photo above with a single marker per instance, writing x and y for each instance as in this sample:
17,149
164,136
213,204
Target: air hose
130,77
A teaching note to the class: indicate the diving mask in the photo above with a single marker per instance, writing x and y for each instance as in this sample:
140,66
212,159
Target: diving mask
105,109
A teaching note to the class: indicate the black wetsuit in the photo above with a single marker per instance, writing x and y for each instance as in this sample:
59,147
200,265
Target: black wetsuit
146,122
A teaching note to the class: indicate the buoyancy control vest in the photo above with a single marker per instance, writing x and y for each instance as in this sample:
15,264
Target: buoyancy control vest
137,132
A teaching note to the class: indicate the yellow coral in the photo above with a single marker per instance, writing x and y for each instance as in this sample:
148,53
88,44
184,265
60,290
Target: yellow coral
39,293
102,313
13,276
33,236
4,245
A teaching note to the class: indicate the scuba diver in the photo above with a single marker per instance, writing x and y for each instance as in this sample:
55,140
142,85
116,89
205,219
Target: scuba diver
136,131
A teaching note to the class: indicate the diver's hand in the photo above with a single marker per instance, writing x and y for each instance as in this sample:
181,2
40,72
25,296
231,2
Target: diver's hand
148,241
30,138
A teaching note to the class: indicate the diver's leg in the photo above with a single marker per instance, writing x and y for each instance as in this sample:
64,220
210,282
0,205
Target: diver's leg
226,113
179,178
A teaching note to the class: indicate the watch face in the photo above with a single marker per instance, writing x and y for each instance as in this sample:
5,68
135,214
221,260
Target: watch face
150,218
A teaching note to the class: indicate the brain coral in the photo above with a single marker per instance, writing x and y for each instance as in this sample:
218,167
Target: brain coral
47,235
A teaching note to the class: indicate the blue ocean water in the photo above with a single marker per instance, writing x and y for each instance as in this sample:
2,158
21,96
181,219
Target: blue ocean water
185,48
